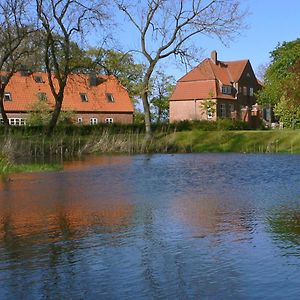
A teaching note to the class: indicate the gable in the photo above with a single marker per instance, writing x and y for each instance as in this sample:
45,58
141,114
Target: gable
209,76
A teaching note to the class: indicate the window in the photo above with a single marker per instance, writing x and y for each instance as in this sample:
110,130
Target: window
94,121
222,110
226,89
42,96
1,122
109,120
110,97
16,121
231,107
7,97
245,91
84,97
79,120
38,79
251,91
240,89
209,113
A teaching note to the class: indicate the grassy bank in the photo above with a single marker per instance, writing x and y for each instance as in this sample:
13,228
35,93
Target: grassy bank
272,141
8,167
27,145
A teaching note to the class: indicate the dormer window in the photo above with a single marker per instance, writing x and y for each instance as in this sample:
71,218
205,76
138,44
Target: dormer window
7,97
110,97
227,89
38,79
84,97
42,96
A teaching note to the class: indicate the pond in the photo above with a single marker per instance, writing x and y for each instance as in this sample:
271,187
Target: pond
183,226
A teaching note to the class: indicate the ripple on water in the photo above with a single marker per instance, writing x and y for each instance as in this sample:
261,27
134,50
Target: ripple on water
163,226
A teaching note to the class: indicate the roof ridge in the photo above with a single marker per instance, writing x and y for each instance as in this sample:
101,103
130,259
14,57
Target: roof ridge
210,64
239,60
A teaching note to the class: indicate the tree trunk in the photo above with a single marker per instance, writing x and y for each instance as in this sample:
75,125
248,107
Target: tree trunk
55,115
146,100
3,113
147,114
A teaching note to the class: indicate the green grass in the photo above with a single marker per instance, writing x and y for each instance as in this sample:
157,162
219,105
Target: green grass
7,167
272,141
29,168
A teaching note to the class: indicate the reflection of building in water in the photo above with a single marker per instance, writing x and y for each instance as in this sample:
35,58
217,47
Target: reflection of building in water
59,202
213,214
92,161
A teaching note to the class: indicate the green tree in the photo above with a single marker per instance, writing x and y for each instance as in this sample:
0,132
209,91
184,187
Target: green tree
40,114
161,89
279,75
288,108
119,64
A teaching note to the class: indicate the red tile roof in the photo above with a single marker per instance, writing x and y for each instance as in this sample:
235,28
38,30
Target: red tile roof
205,80
24,92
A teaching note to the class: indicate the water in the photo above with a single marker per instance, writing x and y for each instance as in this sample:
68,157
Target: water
194,226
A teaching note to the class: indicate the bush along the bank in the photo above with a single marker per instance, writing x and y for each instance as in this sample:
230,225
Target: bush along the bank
87,130
222,124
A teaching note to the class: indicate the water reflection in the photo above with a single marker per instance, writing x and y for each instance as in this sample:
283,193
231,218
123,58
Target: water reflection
165,226
284,223
215,215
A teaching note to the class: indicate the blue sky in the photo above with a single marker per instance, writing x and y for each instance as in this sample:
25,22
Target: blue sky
270,22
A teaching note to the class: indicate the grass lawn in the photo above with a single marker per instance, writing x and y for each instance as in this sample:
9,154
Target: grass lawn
275,141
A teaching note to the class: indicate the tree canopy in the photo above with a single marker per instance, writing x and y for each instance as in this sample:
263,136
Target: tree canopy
279,75
120,64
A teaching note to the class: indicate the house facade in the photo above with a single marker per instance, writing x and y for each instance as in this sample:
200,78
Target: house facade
215,89
91,99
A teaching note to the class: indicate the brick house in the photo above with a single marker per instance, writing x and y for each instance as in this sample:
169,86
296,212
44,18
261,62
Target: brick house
92,99
215,89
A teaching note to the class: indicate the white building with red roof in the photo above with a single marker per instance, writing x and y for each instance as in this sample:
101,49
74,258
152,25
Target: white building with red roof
215,89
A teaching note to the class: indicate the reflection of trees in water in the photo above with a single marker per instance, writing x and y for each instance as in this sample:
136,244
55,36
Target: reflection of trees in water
285,225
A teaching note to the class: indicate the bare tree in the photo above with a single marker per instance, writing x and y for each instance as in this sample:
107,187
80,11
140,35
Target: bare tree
167,27
261,71
63,21
15,46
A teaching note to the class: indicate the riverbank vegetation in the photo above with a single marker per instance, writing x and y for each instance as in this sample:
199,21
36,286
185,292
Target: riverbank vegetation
28,144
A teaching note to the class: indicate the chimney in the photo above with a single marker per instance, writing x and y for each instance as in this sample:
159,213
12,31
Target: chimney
214,57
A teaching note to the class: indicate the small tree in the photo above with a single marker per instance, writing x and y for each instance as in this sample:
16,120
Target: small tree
40,114
209,105
161,89
288,112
